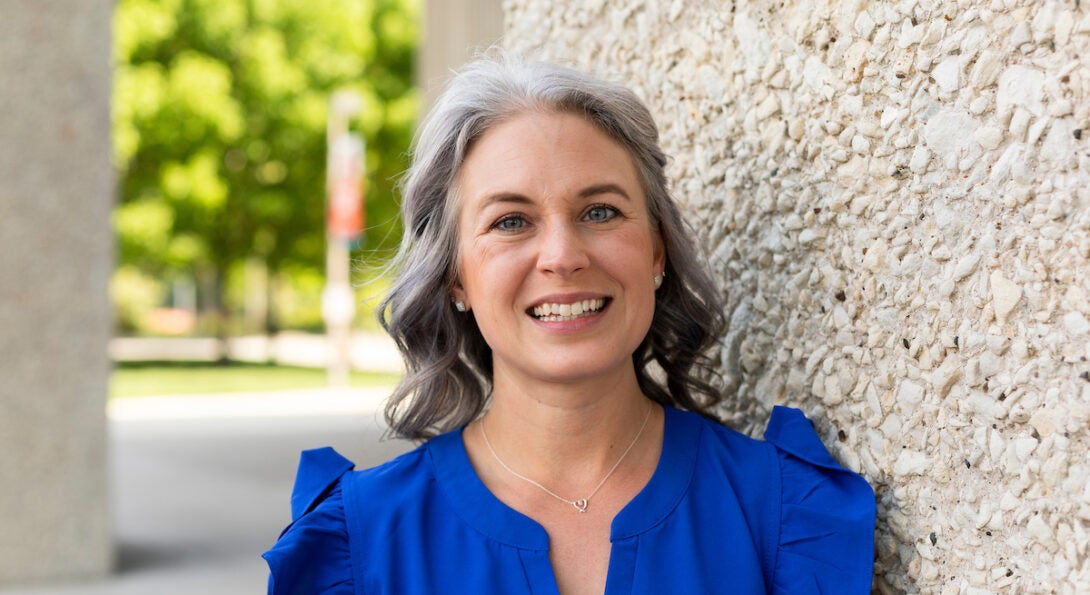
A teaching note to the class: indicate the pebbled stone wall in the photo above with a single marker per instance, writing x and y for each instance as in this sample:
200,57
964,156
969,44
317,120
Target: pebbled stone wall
896,199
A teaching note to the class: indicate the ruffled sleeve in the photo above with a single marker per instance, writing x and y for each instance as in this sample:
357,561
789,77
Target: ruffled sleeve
312,554
827,514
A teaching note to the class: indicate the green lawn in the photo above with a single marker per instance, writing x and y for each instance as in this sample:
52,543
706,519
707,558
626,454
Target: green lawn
167,378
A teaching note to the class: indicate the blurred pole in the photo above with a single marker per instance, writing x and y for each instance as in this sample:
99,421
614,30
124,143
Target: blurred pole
344,223
56,257
454,32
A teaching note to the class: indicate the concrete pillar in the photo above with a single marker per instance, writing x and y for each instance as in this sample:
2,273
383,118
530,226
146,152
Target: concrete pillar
56,193
454,30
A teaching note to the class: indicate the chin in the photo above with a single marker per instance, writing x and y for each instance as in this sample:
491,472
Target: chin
570,371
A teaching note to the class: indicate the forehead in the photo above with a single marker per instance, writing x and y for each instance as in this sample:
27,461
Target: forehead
544,154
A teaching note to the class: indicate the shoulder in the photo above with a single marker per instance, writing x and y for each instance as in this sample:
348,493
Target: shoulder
399,477
720,438
314,554
744,460
817,516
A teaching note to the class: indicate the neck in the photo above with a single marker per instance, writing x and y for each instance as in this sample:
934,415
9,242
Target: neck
565,435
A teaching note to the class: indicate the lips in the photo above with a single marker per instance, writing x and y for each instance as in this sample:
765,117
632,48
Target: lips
563,311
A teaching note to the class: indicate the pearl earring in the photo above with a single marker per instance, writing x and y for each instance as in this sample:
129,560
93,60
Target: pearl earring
657,279
459,305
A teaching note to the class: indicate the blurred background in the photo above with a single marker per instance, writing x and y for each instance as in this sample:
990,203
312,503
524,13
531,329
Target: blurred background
198,208
220,112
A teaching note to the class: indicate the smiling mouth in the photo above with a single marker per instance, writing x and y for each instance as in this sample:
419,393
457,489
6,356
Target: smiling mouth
563,312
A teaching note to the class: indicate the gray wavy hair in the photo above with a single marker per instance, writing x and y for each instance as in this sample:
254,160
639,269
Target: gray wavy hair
448,378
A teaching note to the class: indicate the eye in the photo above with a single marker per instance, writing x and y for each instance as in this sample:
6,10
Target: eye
600,213
510,223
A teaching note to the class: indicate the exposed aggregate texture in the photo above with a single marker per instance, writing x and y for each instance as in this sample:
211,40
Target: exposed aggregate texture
895,197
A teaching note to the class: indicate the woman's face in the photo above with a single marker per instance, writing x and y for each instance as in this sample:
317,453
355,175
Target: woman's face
557,252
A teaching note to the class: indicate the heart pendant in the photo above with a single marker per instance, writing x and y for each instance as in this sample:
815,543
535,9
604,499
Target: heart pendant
580,504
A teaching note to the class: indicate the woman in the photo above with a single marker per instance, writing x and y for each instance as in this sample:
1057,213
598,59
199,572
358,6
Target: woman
552,314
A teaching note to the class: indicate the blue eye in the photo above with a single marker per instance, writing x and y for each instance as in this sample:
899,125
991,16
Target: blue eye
510,223
600,213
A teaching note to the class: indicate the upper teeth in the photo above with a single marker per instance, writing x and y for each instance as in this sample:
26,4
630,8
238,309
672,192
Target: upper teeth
573,309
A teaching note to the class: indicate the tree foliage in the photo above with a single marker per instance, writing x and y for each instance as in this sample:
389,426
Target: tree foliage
219,127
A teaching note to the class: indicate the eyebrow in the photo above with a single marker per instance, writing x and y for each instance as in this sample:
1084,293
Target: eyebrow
589,191
504,197
604,189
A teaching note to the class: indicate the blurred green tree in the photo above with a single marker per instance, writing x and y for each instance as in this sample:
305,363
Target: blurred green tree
219,131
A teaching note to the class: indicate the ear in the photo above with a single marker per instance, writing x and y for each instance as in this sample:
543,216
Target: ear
658,250
458,294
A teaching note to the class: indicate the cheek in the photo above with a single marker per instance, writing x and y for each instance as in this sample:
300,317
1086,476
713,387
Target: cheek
635,251
487,269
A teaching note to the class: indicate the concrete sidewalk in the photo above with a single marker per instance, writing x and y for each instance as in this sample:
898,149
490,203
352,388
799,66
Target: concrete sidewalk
201,484
369,351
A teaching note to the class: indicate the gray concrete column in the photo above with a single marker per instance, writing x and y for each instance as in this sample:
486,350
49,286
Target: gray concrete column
56,193
453,32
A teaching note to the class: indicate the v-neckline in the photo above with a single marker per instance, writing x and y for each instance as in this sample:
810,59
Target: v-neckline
482,510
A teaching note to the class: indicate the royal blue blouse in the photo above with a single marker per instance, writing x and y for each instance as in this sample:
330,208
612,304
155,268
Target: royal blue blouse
722,513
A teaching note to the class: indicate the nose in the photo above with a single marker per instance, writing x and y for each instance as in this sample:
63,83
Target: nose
561,250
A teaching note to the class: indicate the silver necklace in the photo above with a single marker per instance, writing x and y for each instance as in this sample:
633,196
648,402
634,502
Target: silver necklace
581,503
